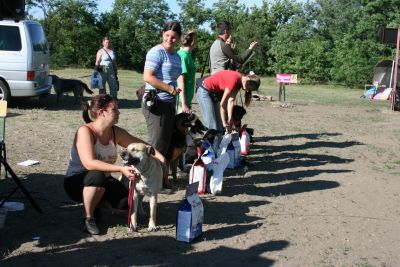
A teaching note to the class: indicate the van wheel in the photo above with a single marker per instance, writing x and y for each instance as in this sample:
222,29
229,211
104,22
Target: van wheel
4,92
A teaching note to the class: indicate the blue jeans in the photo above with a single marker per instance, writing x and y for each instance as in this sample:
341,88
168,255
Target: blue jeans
209,109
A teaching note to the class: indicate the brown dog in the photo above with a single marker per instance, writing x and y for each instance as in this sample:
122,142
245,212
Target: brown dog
148,183
69,85
183,122
140,92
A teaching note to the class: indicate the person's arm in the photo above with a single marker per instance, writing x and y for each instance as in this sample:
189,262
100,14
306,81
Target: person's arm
86,152
114,62
230,53
226,107
181,85
149,77
98,58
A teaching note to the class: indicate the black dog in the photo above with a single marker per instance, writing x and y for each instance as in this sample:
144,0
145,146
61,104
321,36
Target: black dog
237,115
193,140
183,122
69,85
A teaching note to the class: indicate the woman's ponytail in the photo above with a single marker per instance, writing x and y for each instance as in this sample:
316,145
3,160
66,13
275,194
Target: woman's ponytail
85,112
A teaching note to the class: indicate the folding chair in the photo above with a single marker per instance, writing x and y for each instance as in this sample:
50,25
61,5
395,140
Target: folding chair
7,168
3,115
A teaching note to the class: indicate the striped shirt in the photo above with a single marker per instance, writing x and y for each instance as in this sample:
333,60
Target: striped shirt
166,67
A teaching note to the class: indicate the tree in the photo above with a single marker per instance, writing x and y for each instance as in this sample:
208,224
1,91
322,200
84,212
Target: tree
137,29
193,13
71,30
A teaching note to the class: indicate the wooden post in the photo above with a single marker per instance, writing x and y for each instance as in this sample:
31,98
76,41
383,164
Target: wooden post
396,65
282,90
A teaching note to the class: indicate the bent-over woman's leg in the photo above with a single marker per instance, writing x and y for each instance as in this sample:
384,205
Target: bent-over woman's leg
208,108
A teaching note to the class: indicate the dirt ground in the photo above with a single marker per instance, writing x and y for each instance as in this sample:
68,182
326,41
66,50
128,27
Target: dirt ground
322,190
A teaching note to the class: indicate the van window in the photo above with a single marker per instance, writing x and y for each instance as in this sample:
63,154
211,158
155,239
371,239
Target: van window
10,39
39,41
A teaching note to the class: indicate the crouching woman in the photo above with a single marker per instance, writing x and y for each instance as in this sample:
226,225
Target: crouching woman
93,157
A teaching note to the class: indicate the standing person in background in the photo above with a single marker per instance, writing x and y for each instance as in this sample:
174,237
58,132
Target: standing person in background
162,77
216,97
189,41
106,64
222,53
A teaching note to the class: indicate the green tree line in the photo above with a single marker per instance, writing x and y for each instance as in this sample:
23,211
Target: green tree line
320,40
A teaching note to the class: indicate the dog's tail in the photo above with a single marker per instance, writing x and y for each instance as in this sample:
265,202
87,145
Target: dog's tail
90,92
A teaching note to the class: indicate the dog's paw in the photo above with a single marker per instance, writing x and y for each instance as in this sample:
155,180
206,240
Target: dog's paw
153,229
132,229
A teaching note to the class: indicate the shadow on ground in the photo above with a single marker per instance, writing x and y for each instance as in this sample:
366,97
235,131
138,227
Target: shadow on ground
67,102
148,251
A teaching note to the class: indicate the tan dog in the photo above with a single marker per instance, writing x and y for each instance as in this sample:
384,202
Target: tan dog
148,183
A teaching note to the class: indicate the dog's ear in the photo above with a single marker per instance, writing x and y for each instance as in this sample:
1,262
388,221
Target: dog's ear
151,150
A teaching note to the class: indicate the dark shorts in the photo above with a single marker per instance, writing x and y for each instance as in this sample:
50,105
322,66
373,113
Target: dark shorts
115,192
160,125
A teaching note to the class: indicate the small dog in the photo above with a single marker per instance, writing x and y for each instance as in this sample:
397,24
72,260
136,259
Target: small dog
148,183
69,85
237,115
193,140
183,122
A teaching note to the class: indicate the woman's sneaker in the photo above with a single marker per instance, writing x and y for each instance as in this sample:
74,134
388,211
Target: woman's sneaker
91,227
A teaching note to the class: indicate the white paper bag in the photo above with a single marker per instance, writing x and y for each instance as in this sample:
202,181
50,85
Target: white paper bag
190,215
234,152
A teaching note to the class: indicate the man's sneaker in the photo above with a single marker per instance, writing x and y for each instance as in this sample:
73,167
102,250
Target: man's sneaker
91,227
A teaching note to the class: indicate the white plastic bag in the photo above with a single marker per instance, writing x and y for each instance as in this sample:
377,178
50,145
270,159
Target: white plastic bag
198,173
96,81
244,142
218,167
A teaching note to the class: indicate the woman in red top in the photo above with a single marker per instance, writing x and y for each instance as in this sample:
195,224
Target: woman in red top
217,94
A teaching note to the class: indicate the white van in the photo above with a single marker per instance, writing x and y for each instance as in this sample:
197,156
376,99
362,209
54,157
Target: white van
24,59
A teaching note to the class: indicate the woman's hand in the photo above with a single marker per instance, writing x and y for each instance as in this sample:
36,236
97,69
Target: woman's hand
253,45
129,172
174,91
228,129
185,108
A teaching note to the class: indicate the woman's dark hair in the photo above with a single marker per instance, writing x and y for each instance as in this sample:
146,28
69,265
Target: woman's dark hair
173,26
189,38
106,38
90,108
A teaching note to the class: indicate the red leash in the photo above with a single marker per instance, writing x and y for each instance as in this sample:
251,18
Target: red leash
130,197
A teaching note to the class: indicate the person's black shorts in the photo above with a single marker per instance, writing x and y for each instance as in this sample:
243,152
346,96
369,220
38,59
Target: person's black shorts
115,192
